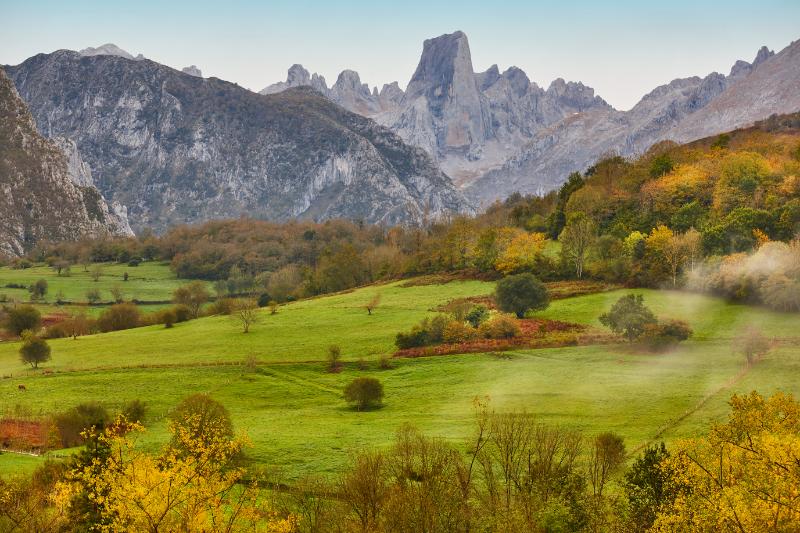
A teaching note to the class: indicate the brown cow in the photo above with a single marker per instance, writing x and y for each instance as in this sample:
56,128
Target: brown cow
22,387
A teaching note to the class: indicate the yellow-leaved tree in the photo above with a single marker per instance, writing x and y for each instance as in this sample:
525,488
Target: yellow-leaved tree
521,253
192,485
743,476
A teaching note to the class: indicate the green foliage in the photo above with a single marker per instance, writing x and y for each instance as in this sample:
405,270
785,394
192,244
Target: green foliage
661,164
521,293
201,418
628,317
23,318
34,350
364,393
134,410
72,422
649,486
38,290
664,335
477,315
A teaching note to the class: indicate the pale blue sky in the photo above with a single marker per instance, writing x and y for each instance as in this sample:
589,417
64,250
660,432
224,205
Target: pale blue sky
623,49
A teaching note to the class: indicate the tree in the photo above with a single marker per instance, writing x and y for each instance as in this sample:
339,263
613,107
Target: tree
61,267
76,325
649,486
373,303
670,247
576,239
193,296
693,243
34,350
198,422
96,272
22,318
607,455
521,293
93,296
38,290
117,294
628,317
364,392
741,476
119,317
334,358
521,253
245,312
753,344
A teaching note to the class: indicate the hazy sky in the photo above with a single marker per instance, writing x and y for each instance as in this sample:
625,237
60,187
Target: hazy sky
623,49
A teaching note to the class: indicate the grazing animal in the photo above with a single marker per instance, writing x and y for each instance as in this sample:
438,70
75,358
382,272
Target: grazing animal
22,387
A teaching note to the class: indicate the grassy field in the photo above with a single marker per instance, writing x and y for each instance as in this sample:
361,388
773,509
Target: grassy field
149,282
293,412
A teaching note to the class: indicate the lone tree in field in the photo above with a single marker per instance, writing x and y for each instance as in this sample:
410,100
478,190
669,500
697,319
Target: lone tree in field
22,318
96,273
38,290
521,293
245,312
753,344
628,317
34,350
373,303
193,296
364,393
334,358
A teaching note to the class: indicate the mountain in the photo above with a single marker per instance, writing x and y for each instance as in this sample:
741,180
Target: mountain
178,148
496,132
109,49
469,122
192,70
41,199
681,111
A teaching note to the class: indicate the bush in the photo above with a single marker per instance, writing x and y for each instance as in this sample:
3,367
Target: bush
264,299
34,350
457,332
334,358
429,331
364,392
223,306
628,317
385,362
753,344
200,420
664,335
38,290
521,293
182,313
134,410
22,318
193,296
119,317
167,317
93,296
500,327
72,423
477,315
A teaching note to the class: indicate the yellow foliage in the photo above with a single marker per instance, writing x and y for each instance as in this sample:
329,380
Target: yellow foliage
521,253
173,491
744,476
678,186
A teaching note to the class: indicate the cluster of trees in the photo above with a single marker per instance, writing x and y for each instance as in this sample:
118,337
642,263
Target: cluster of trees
633,320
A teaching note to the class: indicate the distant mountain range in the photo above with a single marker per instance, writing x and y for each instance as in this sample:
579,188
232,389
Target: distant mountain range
174,147
496,133
178,148
44,194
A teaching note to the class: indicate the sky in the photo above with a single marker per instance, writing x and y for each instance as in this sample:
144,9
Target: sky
622,49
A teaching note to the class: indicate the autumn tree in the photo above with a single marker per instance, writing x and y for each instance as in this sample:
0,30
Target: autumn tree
373,303
521,253
193,295
670,247
743,475
245,312
628,317
576,239
23,318
96,272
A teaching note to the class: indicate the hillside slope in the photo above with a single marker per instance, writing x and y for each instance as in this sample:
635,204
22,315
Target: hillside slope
38,198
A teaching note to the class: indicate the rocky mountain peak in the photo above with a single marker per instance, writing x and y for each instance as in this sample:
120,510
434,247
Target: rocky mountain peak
192,70
763,54
109,49
298,76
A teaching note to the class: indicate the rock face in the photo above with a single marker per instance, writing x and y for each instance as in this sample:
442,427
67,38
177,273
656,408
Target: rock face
39,198
682,111
192,70
176,148
109,49
469,122
496,132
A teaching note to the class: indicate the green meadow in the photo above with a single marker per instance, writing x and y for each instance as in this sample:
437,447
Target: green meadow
293,412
